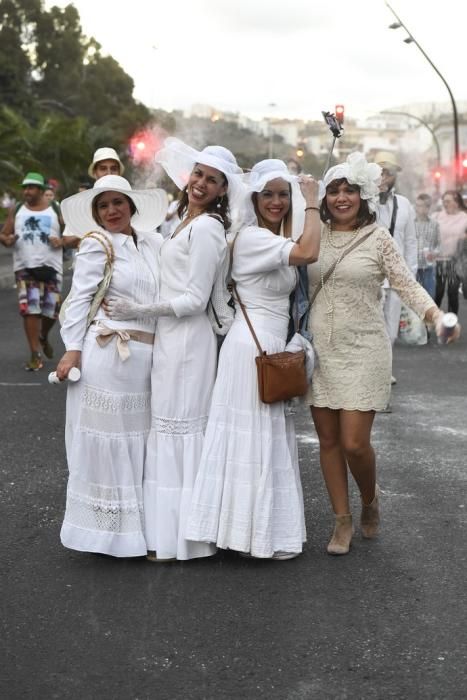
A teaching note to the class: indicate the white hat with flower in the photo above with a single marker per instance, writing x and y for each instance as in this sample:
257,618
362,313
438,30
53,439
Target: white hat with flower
357,171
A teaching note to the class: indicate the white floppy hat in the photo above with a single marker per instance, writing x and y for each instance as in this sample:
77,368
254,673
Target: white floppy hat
105,154
257,179
178,160
151,205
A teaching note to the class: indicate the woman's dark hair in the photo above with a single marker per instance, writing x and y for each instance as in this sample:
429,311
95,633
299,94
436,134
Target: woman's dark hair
286,221
457,197
364,215
95,201
219,206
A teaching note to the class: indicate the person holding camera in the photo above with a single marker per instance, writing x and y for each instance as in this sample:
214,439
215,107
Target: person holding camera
247,495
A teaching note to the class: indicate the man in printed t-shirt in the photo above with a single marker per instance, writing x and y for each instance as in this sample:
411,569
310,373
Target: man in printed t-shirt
34,230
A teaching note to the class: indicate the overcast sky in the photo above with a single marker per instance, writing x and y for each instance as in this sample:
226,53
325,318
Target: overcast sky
301,55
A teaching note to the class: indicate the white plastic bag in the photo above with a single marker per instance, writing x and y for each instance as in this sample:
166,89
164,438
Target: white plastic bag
412,330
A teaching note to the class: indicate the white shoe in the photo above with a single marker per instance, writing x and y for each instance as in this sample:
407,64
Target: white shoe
283,556
393,380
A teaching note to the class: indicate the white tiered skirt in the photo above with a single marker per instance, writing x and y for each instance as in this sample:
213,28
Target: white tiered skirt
107,424
248,495
185,359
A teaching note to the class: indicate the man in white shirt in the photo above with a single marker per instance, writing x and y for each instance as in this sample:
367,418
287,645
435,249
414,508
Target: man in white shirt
395,213
34,230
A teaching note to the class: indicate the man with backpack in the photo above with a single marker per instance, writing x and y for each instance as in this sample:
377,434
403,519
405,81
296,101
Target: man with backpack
34,230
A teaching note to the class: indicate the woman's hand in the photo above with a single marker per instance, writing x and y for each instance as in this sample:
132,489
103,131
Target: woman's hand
121,309
310,190
72,358
440,330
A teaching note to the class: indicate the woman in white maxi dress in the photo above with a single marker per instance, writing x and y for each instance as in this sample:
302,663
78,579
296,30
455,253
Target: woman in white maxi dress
248,496
108,410
185,348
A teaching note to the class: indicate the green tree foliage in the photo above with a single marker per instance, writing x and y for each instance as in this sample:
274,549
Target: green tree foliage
61,97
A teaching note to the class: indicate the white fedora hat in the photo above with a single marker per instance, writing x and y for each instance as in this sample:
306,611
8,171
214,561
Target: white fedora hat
105,154
151,205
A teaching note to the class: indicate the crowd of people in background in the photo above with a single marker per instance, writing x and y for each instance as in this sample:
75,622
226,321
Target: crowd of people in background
171,452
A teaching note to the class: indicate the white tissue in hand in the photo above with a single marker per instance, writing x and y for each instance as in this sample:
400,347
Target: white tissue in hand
297,343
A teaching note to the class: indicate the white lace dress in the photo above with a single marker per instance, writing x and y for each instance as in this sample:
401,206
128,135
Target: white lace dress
248,495
353,350
108,410
185,359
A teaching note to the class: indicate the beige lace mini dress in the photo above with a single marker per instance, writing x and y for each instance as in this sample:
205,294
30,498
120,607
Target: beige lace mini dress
354,354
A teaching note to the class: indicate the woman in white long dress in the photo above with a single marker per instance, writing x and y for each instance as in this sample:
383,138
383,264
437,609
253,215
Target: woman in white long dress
185,348
108,410
248,496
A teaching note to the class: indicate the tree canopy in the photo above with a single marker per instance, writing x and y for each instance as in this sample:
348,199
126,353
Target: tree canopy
61,97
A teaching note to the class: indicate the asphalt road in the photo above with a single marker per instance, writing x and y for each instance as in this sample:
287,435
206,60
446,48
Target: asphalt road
386,621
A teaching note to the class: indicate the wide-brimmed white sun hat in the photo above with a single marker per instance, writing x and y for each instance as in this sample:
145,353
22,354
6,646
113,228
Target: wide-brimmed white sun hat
105,154
151,206
178,160
357,171
256,180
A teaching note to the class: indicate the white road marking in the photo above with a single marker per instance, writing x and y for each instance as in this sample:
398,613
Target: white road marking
21,384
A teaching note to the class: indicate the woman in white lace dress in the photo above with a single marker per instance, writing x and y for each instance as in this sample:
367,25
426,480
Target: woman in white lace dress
248,495
185,349
108,410
352,378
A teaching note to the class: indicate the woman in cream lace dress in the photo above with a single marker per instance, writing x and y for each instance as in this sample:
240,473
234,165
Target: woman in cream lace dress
354,356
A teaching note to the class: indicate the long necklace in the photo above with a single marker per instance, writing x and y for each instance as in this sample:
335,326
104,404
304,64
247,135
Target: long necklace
329,298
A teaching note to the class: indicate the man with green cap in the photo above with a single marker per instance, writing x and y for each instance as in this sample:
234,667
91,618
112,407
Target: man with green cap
34,231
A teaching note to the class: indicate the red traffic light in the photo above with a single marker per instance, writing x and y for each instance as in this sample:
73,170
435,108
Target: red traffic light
340,113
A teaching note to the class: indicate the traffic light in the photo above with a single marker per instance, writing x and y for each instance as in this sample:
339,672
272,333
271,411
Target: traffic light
340,113
300,150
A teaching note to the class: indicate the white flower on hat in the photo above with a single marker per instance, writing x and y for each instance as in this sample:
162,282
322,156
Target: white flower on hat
357,171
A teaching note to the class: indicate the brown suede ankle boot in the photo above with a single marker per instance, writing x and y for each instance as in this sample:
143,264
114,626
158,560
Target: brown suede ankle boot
342,535
369,519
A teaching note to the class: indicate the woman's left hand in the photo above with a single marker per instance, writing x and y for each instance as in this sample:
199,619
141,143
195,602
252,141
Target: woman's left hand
120,309
310,190
440,330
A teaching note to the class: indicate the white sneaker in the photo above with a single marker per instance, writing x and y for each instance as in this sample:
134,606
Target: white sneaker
393,380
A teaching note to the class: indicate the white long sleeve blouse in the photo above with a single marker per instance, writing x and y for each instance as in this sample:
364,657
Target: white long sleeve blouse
135,277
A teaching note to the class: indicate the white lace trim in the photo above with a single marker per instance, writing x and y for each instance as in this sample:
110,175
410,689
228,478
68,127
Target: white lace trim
113,402
115,516
179,426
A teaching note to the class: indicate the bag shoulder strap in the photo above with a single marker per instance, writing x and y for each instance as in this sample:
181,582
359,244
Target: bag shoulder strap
395,206
247,318
329,272
105,242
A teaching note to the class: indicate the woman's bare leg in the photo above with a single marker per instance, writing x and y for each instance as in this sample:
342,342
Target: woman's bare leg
355,439
333,463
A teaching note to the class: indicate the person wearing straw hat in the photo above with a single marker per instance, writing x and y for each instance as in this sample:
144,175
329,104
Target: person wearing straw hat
352,378
108,409
397,214
105,161
34,230
248,495
185,348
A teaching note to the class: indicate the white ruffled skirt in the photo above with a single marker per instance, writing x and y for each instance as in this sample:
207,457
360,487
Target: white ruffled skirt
107,424
248,495
185,359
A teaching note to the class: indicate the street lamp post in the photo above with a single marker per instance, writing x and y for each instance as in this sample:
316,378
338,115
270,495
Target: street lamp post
271,106
427,126
411,40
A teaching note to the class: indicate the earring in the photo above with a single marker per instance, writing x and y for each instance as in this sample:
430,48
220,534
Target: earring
219,203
